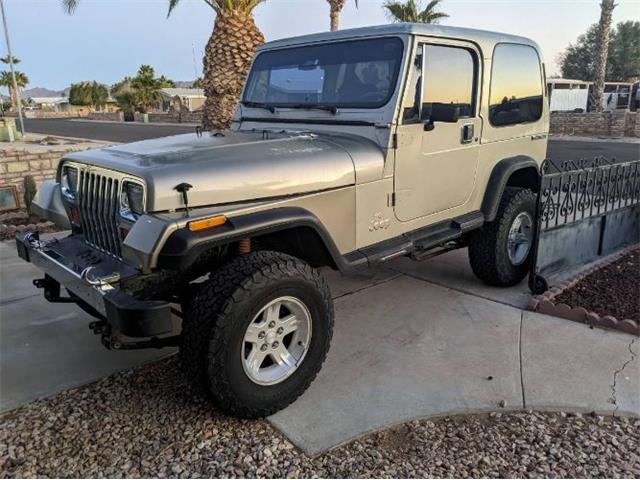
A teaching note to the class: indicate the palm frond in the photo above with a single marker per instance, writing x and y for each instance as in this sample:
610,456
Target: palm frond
7,59
431,6
396,11
70,5
430,15
172,4
409,11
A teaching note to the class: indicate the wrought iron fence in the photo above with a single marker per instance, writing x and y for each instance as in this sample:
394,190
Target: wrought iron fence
574,191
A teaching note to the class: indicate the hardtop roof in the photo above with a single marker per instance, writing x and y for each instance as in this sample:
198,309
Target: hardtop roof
486,40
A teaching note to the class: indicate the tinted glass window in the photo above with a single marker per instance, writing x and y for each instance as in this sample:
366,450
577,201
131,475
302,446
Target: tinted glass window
448,84
359,73
516,85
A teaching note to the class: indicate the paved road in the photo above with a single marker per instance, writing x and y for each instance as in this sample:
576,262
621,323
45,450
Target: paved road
130,132
575,150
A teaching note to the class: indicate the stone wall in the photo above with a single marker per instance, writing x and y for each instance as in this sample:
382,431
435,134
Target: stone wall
171,117
632,128
191,117
51,114
606,124
108,116
42,164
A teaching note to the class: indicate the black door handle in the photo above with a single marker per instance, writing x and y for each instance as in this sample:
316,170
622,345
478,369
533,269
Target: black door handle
467,133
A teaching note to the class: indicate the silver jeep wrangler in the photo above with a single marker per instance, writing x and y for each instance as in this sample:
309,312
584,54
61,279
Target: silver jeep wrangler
348,149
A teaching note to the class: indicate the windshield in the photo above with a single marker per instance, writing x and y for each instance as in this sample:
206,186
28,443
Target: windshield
356,73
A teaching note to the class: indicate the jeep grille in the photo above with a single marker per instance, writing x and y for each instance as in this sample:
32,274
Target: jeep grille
99,205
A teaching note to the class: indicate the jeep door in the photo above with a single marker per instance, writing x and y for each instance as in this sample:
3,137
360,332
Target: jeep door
437,137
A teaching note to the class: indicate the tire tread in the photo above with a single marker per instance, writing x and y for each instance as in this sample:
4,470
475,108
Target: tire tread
203,349
488,262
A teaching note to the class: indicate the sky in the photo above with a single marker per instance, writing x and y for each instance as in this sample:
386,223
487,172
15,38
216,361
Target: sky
107,39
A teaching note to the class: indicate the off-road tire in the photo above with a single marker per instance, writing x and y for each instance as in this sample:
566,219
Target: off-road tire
219,314
488,252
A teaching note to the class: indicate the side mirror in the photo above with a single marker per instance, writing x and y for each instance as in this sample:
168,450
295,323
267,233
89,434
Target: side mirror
439,112
449,113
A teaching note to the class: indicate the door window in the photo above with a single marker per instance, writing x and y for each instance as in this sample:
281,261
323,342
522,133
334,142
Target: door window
447,88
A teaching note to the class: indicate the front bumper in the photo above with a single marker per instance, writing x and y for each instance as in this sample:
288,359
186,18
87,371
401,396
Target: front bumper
94,279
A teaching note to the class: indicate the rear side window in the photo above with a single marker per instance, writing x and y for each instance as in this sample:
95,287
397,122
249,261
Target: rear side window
516,85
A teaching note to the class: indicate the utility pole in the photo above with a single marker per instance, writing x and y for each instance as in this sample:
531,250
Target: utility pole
195,68
13,72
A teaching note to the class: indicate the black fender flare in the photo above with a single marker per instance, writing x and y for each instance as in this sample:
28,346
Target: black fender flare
183,247
498,180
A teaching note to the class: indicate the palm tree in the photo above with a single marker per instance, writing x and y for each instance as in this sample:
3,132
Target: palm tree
6,60
6,81
410,11
604,31
227,56
335,7
147,87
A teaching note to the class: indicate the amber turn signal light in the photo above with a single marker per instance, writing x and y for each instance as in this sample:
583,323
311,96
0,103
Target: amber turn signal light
211,222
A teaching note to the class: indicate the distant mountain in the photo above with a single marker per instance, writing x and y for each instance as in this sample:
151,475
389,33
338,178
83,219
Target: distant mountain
45,92
41,92
184,83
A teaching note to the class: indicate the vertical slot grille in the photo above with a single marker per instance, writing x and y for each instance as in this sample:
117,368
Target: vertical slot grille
98,201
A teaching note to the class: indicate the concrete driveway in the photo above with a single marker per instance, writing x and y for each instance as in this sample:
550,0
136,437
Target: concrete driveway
44,347
409,348
412,340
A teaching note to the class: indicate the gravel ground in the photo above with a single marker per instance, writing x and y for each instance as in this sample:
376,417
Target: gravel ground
611,290
147,423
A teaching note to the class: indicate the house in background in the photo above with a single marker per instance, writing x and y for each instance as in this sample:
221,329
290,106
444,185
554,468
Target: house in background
567,95
50,104
179,99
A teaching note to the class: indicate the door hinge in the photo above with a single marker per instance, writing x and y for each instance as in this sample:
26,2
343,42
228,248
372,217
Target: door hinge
394,141
392,199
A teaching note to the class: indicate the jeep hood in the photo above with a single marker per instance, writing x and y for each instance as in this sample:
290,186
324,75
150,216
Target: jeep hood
237,166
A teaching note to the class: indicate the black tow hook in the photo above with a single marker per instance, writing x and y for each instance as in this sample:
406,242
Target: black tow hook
100,327
51,290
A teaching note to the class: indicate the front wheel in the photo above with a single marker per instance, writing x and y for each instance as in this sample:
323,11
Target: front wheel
500,252
258,332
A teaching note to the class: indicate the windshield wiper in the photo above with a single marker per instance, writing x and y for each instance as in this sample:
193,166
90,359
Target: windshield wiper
310,106
306,106
266,106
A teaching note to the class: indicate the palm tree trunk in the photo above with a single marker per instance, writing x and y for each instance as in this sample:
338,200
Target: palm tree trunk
13,97
227,57
604,30
335,7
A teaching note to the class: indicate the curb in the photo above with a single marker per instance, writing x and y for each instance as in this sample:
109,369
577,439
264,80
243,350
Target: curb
546,305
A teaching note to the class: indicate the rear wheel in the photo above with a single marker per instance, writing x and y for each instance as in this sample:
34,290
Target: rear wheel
258,332
500,252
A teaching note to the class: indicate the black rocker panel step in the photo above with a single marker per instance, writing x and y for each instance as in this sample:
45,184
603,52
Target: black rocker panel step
449,230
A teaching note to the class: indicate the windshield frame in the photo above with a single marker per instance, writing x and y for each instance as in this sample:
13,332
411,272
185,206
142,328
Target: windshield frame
393,84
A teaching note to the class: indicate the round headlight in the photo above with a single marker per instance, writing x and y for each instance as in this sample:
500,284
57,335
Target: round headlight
124,200
135,195
132,200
